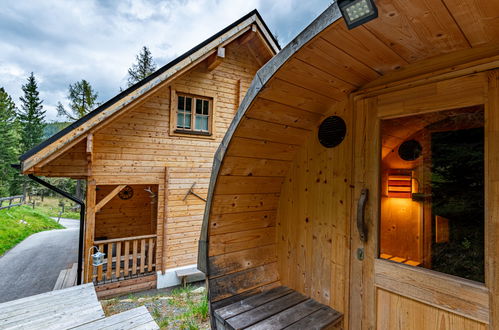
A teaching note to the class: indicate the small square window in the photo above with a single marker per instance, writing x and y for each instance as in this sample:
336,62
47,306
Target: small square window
194,121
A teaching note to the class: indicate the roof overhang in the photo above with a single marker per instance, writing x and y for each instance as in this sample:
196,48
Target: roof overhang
76,132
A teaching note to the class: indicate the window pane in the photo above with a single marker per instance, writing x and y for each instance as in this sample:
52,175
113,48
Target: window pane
187,122
188,103
206,107
181,101
201,123
180,120
432,204
199,106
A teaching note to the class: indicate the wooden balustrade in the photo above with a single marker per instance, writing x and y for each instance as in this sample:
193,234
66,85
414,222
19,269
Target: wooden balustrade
125,258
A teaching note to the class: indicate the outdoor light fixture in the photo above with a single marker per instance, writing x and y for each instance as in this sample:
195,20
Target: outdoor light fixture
357,12
97,257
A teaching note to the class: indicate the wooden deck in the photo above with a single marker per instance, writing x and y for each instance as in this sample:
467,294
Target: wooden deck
278,308
74,307
67,278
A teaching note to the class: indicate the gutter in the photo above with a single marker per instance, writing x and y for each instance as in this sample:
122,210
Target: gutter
82,218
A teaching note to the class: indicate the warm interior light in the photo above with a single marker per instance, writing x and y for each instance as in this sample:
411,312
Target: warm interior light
357,12
400,185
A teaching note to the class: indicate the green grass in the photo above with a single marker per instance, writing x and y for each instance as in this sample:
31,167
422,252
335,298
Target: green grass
13,231
51,207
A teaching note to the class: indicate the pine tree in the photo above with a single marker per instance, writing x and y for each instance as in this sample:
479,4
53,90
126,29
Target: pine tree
9,138
82,98
31,115
31,118
144,67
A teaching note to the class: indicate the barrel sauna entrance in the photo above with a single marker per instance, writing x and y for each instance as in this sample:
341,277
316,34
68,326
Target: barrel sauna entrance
422,163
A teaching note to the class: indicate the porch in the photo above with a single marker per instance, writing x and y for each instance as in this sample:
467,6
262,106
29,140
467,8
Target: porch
122,224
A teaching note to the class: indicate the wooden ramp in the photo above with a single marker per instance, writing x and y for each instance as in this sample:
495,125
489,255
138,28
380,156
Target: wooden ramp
69,308
67,278
278,308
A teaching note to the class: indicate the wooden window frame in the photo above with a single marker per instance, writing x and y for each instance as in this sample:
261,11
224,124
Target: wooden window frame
174,130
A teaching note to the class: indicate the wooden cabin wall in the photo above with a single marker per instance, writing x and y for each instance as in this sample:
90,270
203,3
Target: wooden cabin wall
398,312
137,148
313,220
125,218
72,163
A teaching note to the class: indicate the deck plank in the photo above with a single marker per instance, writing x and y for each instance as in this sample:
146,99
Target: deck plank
131,319
288,316
251,302
324,317
264,311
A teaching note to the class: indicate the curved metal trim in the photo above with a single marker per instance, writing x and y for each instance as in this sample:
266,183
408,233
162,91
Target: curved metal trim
262,77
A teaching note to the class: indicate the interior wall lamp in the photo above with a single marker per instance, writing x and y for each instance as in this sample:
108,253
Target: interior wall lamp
400,185
357,12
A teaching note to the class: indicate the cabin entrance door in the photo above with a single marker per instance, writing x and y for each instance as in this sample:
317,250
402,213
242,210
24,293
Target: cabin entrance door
418,226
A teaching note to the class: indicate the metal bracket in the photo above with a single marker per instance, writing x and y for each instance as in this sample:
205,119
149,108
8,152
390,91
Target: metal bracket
191,192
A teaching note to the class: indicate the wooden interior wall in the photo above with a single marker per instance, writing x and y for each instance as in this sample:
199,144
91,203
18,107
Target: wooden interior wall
126,218
137,148
72,163
313,220
396,312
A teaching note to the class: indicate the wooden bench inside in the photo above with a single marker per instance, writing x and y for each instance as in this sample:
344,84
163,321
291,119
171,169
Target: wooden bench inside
278,308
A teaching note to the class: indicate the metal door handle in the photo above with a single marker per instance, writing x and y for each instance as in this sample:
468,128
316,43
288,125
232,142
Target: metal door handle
361,206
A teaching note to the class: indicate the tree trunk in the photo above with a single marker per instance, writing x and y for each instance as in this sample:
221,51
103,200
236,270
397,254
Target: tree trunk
79,193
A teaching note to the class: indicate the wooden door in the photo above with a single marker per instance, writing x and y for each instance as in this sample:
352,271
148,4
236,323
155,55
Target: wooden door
401,293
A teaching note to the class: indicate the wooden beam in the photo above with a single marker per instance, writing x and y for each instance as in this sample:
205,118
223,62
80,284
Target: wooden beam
110,196
165,224
90,153
248,36
215,59
89,229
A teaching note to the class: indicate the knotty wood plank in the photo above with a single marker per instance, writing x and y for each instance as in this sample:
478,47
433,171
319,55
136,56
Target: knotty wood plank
142,255
134,257
118,260
236,283
414,35
288,316
126,266
240,260
264,311
478,19
109,270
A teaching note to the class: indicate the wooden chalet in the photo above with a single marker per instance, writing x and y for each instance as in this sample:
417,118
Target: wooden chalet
358,185
146,156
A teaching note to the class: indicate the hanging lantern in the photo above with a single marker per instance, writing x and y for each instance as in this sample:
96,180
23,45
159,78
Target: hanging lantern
98,257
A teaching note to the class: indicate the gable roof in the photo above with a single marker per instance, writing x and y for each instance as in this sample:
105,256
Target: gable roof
164,73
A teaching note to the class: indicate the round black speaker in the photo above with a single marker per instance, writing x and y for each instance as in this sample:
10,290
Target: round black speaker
410,150
332,131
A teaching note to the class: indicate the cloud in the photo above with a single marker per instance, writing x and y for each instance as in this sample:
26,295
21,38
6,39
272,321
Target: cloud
65,41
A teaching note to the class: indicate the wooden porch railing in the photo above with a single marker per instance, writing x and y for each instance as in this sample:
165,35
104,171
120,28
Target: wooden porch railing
125,258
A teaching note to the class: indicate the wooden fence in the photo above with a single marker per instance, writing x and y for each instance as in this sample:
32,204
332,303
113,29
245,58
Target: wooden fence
11,200
125,258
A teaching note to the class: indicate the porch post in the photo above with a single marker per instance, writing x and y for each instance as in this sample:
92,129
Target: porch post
89,228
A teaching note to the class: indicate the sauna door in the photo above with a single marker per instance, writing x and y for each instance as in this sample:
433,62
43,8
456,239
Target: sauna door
418,226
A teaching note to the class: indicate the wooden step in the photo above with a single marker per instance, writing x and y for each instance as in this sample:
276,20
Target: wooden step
278,308
59,309
66,278
137,318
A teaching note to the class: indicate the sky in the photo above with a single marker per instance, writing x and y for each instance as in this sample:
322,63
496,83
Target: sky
64,41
